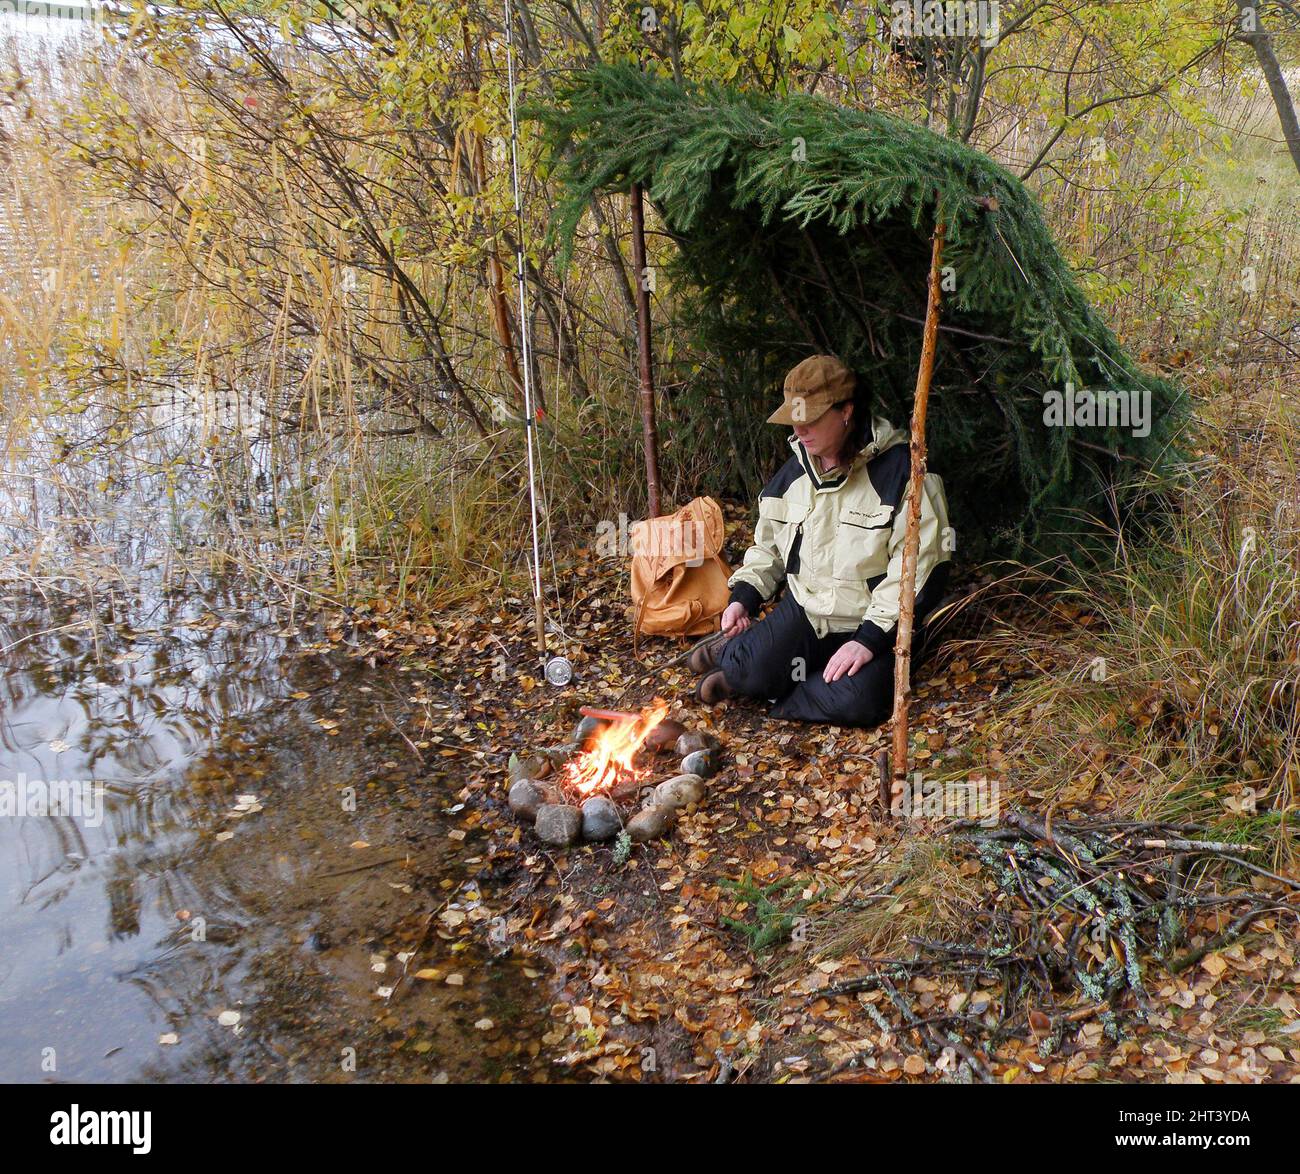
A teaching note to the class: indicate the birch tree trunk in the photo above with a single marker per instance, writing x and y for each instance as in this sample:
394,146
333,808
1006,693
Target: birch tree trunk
912,537
1250,28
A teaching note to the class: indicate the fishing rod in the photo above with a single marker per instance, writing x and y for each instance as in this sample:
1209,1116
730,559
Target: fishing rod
558,670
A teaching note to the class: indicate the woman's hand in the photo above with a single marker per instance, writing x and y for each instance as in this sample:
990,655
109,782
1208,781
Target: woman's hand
848,659
735,619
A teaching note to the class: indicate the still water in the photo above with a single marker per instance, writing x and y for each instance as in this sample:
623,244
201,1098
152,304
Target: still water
224,875
244,838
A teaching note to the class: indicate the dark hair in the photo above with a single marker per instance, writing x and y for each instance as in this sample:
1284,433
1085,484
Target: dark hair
860,433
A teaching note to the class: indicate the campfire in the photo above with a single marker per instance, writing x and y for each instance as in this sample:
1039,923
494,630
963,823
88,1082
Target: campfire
602,782
611,760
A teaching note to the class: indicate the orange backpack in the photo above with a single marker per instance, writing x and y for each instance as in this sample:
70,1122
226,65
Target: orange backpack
679,577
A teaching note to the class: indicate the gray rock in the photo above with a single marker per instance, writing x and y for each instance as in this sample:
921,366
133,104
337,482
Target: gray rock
526,796
701,762
665,734
680,791
584,733
561,754
558,824
650,822
694,740
530,766
600,819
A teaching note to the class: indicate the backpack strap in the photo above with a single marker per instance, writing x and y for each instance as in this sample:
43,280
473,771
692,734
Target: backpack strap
636,625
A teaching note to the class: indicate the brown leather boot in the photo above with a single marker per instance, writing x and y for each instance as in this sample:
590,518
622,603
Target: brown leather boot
713,688
704,656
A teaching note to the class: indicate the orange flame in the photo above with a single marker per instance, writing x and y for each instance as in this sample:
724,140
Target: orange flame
598,769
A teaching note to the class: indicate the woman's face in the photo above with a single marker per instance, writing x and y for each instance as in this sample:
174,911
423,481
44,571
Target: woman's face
825,436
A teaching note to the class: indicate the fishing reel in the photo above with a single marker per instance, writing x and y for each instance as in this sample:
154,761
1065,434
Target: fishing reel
559,670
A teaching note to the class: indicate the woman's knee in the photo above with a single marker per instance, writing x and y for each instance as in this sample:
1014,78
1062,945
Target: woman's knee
751,666
867,708
864,699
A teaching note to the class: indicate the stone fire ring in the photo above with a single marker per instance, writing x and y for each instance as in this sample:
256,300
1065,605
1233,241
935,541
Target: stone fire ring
560,817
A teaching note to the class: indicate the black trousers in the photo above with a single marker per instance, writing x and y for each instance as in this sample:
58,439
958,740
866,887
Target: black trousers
780,657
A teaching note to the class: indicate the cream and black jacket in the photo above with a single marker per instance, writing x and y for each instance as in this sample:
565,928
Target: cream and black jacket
837,540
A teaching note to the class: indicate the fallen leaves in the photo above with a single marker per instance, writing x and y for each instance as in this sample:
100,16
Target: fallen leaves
648,982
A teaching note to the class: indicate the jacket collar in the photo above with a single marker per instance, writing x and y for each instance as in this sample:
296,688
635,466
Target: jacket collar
819,479
882,432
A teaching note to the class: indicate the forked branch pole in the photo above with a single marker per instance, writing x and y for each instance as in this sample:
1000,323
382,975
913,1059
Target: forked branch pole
912,536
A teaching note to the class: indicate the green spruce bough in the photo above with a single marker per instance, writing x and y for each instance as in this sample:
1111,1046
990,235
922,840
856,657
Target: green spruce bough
804,226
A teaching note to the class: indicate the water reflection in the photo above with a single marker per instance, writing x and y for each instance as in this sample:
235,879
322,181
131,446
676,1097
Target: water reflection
155,642
177,906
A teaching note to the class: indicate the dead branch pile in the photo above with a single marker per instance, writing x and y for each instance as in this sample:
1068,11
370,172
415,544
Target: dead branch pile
1069,920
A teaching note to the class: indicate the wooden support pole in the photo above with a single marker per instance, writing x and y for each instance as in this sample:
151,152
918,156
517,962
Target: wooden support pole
912,538
651,435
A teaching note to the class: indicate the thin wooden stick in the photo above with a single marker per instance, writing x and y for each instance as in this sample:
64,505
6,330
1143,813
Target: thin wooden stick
716,638
649,432
364,867
912,538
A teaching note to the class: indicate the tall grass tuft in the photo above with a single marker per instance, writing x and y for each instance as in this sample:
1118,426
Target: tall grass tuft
1174,693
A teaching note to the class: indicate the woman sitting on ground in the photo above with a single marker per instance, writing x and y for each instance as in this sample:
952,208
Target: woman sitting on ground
830,526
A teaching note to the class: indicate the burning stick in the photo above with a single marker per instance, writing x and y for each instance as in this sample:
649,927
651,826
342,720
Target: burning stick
598,769
608,715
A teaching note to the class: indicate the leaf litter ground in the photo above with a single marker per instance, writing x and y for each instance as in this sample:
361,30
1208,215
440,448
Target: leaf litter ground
787,931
